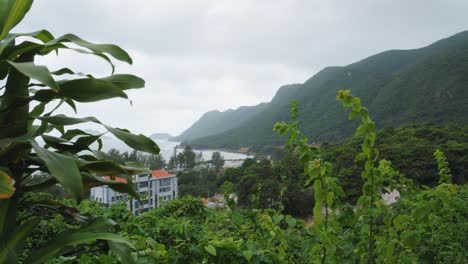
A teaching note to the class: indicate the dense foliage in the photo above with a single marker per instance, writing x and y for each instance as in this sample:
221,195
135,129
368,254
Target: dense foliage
262,184
29,100
429,226
424,225
411,151
151,161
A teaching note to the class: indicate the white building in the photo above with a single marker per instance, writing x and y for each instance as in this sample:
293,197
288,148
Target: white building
154,189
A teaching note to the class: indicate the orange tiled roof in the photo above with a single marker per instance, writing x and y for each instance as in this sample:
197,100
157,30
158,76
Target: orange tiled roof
160,174
117,179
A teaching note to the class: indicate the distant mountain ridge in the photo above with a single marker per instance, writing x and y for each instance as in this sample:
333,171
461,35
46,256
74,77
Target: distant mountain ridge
400,87
156,136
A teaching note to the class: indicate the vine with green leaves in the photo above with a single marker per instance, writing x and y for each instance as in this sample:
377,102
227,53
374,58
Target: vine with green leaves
326,188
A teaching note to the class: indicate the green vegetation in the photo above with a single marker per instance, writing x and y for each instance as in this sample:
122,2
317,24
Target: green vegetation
150,161
401,87
215,122
27,114
411,151
425,224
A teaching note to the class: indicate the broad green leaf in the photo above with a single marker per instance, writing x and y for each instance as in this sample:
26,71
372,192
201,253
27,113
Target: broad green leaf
88,140
62,241
278,218
36,72
11,13
247,254
125,81
400,220
63,145
63,71
121,187
90,90
210,249
63,168
98,224
123,252
42,35
291,221
104,156
67,121
113,50
103,167
138,142
72,104
50,203
6,186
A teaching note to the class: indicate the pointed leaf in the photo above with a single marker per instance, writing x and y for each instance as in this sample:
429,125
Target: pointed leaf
11,13
103,167
63,168
42,35
90,90
36,72
123,252
62,241
121,187
138,142
125,81
64,120
113,50
210,249
247,255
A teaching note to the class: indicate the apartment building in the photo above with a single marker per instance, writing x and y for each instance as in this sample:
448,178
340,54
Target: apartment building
155,189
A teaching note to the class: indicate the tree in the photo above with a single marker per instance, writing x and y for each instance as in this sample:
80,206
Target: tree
187,158
217,160
155,162
27,114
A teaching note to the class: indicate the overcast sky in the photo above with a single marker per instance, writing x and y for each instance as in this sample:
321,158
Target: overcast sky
201,55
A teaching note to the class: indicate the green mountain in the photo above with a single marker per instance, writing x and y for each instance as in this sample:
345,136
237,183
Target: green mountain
215,122
400,87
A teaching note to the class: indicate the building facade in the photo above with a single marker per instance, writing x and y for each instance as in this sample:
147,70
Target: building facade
154,189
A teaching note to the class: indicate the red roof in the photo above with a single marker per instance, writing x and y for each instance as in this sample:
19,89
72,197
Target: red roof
117,179
160,174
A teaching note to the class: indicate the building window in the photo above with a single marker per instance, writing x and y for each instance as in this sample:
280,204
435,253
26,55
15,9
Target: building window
165,182
165,189
143,184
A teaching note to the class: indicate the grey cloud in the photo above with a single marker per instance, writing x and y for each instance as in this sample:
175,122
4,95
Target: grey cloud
216,54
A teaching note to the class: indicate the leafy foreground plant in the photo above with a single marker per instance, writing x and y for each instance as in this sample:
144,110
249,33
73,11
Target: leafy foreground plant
373,230
26,115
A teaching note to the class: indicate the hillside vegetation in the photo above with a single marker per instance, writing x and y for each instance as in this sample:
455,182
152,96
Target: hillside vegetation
401,87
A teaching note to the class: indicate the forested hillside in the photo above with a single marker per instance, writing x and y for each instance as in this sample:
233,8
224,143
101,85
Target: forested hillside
216,122
401,87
